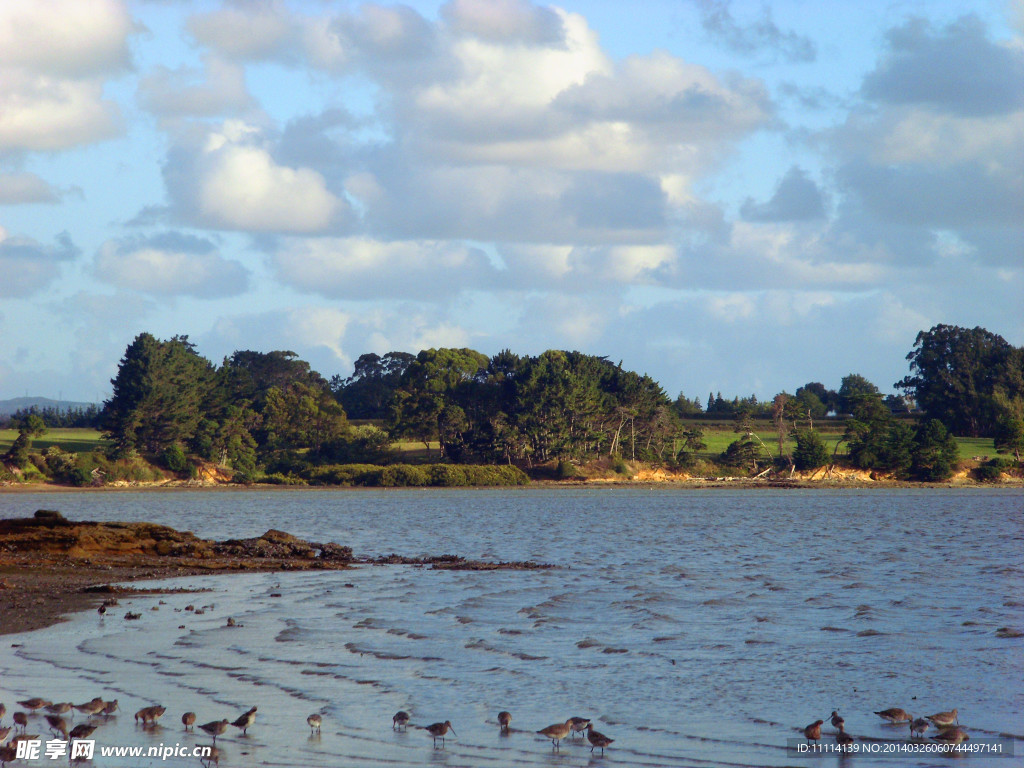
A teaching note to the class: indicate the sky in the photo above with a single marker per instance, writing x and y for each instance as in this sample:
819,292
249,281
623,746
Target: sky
731,196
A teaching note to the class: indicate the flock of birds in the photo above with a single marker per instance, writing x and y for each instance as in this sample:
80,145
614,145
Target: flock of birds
947,723
148,717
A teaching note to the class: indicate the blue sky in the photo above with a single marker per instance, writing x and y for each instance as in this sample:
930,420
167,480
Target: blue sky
730,196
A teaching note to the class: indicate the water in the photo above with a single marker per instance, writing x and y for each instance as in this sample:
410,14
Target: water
697,628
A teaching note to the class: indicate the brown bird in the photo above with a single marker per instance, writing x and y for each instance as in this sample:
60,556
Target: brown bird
438,730
35,703
944,719
93,707
61,708
579,724
597,739
843,737
951,736
504,718
4,733
813,731
245,721
215,728
894,715
837,720
7,754
210,759
58,724
400,720
188,720
21,719
557,732
3,711
314,722
918,727
82,731
148,715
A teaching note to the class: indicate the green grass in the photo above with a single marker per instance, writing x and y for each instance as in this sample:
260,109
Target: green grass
70,440
976,446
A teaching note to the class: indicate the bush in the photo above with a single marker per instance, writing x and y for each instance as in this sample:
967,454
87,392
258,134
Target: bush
409,475
174,458
620,467
992,470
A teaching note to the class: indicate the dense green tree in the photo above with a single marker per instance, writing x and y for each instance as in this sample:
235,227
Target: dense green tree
852,387
158,393
935,452
367,393
956,372
1009,436
811,451
302,416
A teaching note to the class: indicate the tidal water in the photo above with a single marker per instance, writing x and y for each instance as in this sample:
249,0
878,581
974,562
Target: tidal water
696,628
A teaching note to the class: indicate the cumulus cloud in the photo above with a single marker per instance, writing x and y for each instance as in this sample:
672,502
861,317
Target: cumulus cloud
228,179
957,69
504,20
365,269
54,57
27,266
170,264
797,198
249,30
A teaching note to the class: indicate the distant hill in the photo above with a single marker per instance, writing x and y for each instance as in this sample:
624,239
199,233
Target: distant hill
7,407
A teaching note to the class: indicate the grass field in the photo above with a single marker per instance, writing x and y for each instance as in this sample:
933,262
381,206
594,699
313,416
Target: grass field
716,437
70,440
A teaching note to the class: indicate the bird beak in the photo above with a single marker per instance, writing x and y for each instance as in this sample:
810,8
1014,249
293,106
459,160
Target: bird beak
453,730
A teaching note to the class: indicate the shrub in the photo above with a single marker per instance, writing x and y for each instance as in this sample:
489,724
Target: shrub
174,458
810,451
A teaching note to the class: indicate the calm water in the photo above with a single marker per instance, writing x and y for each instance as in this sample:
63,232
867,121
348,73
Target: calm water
697,628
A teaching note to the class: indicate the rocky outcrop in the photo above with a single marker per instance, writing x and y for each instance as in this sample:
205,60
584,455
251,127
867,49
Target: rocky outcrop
49,533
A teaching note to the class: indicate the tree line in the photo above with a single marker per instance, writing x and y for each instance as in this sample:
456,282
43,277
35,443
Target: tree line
271,412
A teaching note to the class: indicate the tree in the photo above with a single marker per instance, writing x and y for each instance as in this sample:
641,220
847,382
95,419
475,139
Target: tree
302,416
810,451
1009,436
851,387
158,393
367,393
29,428
956,372
935,454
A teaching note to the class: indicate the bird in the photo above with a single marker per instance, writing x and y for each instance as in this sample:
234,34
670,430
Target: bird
109,708
951,736
60,708
188,720
894,715
557,732
944,719
813,731
438,730
215,728
213,756
579,724
58,724
7,754
597,739
4,733
3,711
82,731
843,737
21,719
93,707
400,720
918,727
504,718
837,720
101,610
314,722
148,715
35,703
245,721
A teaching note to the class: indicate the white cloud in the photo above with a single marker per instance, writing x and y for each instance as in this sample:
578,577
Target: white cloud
249,30
65,38
27,266
361,268
170,265
46,113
